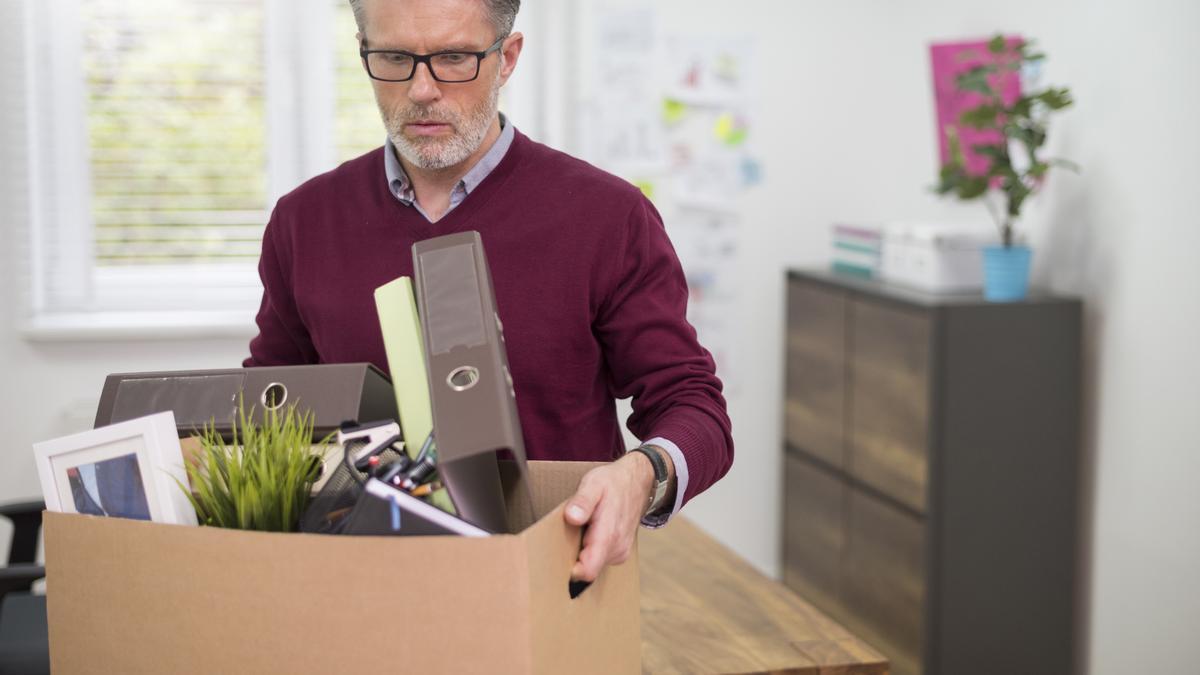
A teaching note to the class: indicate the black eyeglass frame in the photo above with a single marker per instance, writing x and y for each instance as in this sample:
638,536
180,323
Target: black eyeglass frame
427,59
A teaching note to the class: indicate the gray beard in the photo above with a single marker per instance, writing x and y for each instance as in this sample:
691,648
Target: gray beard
436,153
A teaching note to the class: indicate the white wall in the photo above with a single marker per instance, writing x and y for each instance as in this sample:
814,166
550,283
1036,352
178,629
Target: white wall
846,127
846,131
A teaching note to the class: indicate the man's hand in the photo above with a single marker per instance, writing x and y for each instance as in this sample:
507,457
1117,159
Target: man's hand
610,501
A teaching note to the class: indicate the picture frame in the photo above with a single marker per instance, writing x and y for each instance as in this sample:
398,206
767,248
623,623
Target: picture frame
125,470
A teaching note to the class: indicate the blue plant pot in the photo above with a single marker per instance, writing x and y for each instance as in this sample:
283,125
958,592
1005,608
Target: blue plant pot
1006,273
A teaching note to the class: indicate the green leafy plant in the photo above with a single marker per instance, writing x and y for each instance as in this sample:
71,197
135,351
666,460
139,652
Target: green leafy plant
1022,124
262,483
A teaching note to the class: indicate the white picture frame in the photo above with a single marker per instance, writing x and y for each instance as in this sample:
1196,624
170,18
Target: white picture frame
127,470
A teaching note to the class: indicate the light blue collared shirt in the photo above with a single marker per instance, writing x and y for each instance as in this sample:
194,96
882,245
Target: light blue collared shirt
402,188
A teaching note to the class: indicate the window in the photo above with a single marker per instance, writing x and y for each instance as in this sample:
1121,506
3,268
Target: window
175,131
358,125
162,133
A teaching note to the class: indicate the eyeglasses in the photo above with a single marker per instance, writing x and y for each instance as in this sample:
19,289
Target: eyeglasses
390,65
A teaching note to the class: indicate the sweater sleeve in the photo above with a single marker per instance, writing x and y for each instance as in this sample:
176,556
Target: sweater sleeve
282,337
654,357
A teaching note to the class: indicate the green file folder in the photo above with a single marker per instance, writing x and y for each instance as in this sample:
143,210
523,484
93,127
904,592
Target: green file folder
397,308
402,342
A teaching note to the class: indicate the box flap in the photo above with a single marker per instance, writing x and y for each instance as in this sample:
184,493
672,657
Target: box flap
551,483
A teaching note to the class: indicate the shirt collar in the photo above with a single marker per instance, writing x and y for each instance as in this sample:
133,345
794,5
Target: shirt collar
401,187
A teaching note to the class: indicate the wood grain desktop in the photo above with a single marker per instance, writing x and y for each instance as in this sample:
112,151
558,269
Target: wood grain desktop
706,610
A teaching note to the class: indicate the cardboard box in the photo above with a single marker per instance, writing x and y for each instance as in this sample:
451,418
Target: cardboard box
129,597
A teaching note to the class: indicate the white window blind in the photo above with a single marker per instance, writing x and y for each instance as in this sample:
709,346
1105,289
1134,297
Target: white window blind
359,127
149,127
161,134
176,131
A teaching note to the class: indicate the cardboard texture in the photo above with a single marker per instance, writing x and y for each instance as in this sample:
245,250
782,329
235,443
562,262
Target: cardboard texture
136,597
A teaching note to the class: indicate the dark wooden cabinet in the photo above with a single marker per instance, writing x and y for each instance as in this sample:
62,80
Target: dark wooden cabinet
816,372
930,472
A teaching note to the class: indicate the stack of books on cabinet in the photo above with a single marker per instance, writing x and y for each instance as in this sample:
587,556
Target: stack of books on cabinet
858,250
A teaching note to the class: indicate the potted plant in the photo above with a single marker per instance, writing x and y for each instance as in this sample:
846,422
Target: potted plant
1015,168
262,479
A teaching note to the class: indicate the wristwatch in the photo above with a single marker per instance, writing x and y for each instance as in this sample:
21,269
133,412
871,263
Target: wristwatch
661,483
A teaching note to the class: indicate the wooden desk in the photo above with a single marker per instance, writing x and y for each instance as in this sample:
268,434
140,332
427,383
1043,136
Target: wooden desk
706,610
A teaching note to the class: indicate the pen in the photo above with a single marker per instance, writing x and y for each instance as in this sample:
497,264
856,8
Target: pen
425,489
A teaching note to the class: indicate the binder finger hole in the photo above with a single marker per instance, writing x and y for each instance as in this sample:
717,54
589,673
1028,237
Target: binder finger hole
274,396
463,378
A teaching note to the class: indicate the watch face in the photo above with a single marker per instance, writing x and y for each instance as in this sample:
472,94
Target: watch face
657,499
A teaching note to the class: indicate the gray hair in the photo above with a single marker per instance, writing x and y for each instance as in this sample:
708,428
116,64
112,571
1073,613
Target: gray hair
502,14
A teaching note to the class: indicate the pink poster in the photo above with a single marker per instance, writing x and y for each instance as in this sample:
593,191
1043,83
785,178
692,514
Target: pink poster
948,60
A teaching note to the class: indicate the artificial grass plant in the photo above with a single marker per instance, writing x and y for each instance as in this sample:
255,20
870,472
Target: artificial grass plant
262,483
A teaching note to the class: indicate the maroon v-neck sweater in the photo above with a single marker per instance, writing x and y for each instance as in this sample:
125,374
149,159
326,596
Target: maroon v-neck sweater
587,284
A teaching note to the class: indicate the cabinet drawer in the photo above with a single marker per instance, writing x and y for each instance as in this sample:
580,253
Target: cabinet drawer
814,534
889,400
816,371
883,585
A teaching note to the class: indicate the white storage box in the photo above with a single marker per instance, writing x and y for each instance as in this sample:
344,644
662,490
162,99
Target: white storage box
935,258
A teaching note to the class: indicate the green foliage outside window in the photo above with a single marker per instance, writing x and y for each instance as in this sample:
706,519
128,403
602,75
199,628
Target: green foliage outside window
176,125
175,93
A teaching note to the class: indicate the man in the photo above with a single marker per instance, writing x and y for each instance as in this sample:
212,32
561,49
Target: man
588,287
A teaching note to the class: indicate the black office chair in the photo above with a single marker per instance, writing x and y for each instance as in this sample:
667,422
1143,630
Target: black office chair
24,638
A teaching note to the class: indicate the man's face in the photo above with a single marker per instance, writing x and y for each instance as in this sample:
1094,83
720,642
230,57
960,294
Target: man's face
436,125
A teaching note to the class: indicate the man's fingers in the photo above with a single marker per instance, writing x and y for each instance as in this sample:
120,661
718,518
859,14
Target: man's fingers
598,541
591,560
604,549
583,503
609,509
581,573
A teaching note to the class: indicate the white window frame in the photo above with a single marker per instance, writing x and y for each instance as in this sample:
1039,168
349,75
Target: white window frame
134,302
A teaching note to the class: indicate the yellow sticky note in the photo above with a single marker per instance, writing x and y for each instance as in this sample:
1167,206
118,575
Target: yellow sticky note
730,130
673,111
397,308
647,188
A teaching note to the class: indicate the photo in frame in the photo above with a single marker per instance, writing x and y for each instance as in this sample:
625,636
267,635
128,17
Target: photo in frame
124,470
